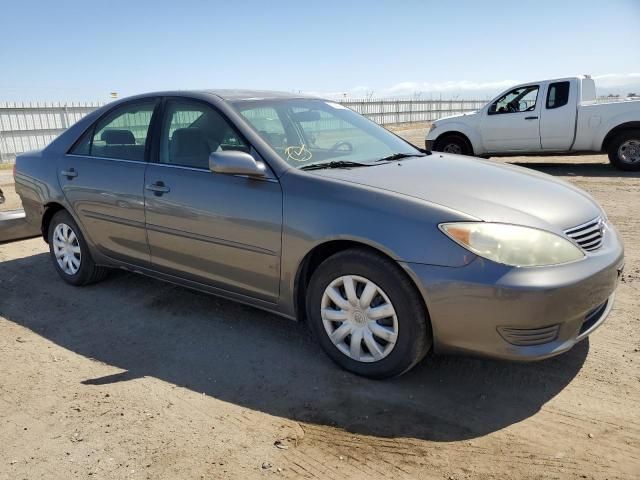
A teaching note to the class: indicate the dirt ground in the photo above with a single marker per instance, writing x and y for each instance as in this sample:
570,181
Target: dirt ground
135,378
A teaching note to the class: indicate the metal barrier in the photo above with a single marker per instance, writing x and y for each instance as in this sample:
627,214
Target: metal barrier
31,126
410,110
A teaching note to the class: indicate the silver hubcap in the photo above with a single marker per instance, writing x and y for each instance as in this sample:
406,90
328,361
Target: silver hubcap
452,148
359,318
629,151
66,248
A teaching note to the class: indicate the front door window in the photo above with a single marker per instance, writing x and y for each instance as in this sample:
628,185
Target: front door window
521,99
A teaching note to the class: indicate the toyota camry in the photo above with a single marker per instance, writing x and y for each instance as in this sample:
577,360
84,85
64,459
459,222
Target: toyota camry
302,207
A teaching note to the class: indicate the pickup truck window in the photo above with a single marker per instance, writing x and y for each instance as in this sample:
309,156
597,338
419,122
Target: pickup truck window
558,95
521,99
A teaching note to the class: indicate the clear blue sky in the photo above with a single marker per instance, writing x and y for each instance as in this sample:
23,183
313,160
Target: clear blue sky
85,49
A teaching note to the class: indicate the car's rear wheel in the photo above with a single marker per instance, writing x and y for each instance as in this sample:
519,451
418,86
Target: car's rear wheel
624,151
367,314
69,252
453,144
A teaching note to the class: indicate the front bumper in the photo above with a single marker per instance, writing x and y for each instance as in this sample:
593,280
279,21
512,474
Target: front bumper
428,145
519,313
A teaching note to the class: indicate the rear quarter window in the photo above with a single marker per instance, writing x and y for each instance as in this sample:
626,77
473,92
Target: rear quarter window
558,95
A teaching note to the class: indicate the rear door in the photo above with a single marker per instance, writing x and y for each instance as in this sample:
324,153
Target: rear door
220,230
512,122
558,119
103,178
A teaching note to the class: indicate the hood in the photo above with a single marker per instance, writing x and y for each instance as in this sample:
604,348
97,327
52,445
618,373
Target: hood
486,190
469,116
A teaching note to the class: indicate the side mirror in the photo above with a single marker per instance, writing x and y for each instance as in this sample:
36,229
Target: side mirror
234,162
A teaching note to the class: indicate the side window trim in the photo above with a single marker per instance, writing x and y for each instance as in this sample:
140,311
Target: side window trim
91,129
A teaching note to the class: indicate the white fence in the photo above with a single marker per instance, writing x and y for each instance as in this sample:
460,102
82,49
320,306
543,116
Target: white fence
410,110
31,126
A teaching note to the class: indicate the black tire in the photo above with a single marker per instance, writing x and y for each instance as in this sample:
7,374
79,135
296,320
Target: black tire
614,150
414,338
87,272
454,144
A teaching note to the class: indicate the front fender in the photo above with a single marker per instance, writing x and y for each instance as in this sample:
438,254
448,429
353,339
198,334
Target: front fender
317,210
469,131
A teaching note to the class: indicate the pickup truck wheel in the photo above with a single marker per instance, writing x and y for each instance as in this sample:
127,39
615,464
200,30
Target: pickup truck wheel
624,151
453,144
70,253
367,315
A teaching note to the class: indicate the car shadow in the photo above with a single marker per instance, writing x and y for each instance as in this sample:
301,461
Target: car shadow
577,169
242,355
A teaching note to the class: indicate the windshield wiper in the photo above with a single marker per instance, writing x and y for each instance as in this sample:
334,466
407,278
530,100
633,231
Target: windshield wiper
334,164
399,156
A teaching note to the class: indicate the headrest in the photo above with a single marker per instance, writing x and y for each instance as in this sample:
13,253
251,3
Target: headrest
118,137
189,141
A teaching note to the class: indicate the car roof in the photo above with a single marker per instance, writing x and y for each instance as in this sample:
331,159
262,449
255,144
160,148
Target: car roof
226,94
233,94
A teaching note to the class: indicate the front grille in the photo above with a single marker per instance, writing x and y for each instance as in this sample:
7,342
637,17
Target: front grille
527,337
588,235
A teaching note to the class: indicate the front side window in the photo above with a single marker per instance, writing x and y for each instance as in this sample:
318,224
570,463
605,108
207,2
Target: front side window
558,95
309,131
191,131
122,134
521,99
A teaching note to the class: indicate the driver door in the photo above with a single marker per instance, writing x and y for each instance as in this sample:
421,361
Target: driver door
220,230
512,122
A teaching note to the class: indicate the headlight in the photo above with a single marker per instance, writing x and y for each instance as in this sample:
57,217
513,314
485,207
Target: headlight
513,244
431,128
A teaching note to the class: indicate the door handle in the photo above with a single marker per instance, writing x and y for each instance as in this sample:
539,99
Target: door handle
530,118
71,173
158,188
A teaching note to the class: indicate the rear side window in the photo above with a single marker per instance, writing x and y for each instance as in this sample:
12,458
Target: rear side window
558,95
121,135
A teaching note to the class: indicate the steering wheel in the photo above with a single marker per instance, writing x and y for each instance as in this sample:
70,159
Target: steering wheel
512,108
338,147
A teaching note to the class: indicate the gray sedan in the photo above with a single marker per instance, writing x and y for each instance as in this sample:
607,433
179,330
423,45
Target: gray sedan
302,207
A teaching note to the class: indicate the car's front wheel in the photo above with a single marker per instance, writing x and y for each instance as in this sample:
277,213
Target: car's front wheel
367,314
69,252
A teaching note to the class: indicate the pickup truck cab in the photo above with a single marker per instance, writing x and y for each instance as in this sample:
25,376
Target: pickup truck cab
559,116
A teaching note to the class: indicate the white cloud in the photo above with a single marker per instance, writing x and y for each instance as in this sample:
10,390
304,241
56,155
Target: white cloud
469,88
412,88
450,86
616,80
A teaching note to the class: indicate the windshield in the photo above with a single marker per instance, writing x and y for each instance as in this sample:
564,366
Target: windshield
308,131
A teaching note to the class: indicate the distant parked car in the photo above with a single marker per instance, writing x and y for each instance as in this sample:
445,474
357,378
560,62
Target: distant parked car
1,196
302,207
541,118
